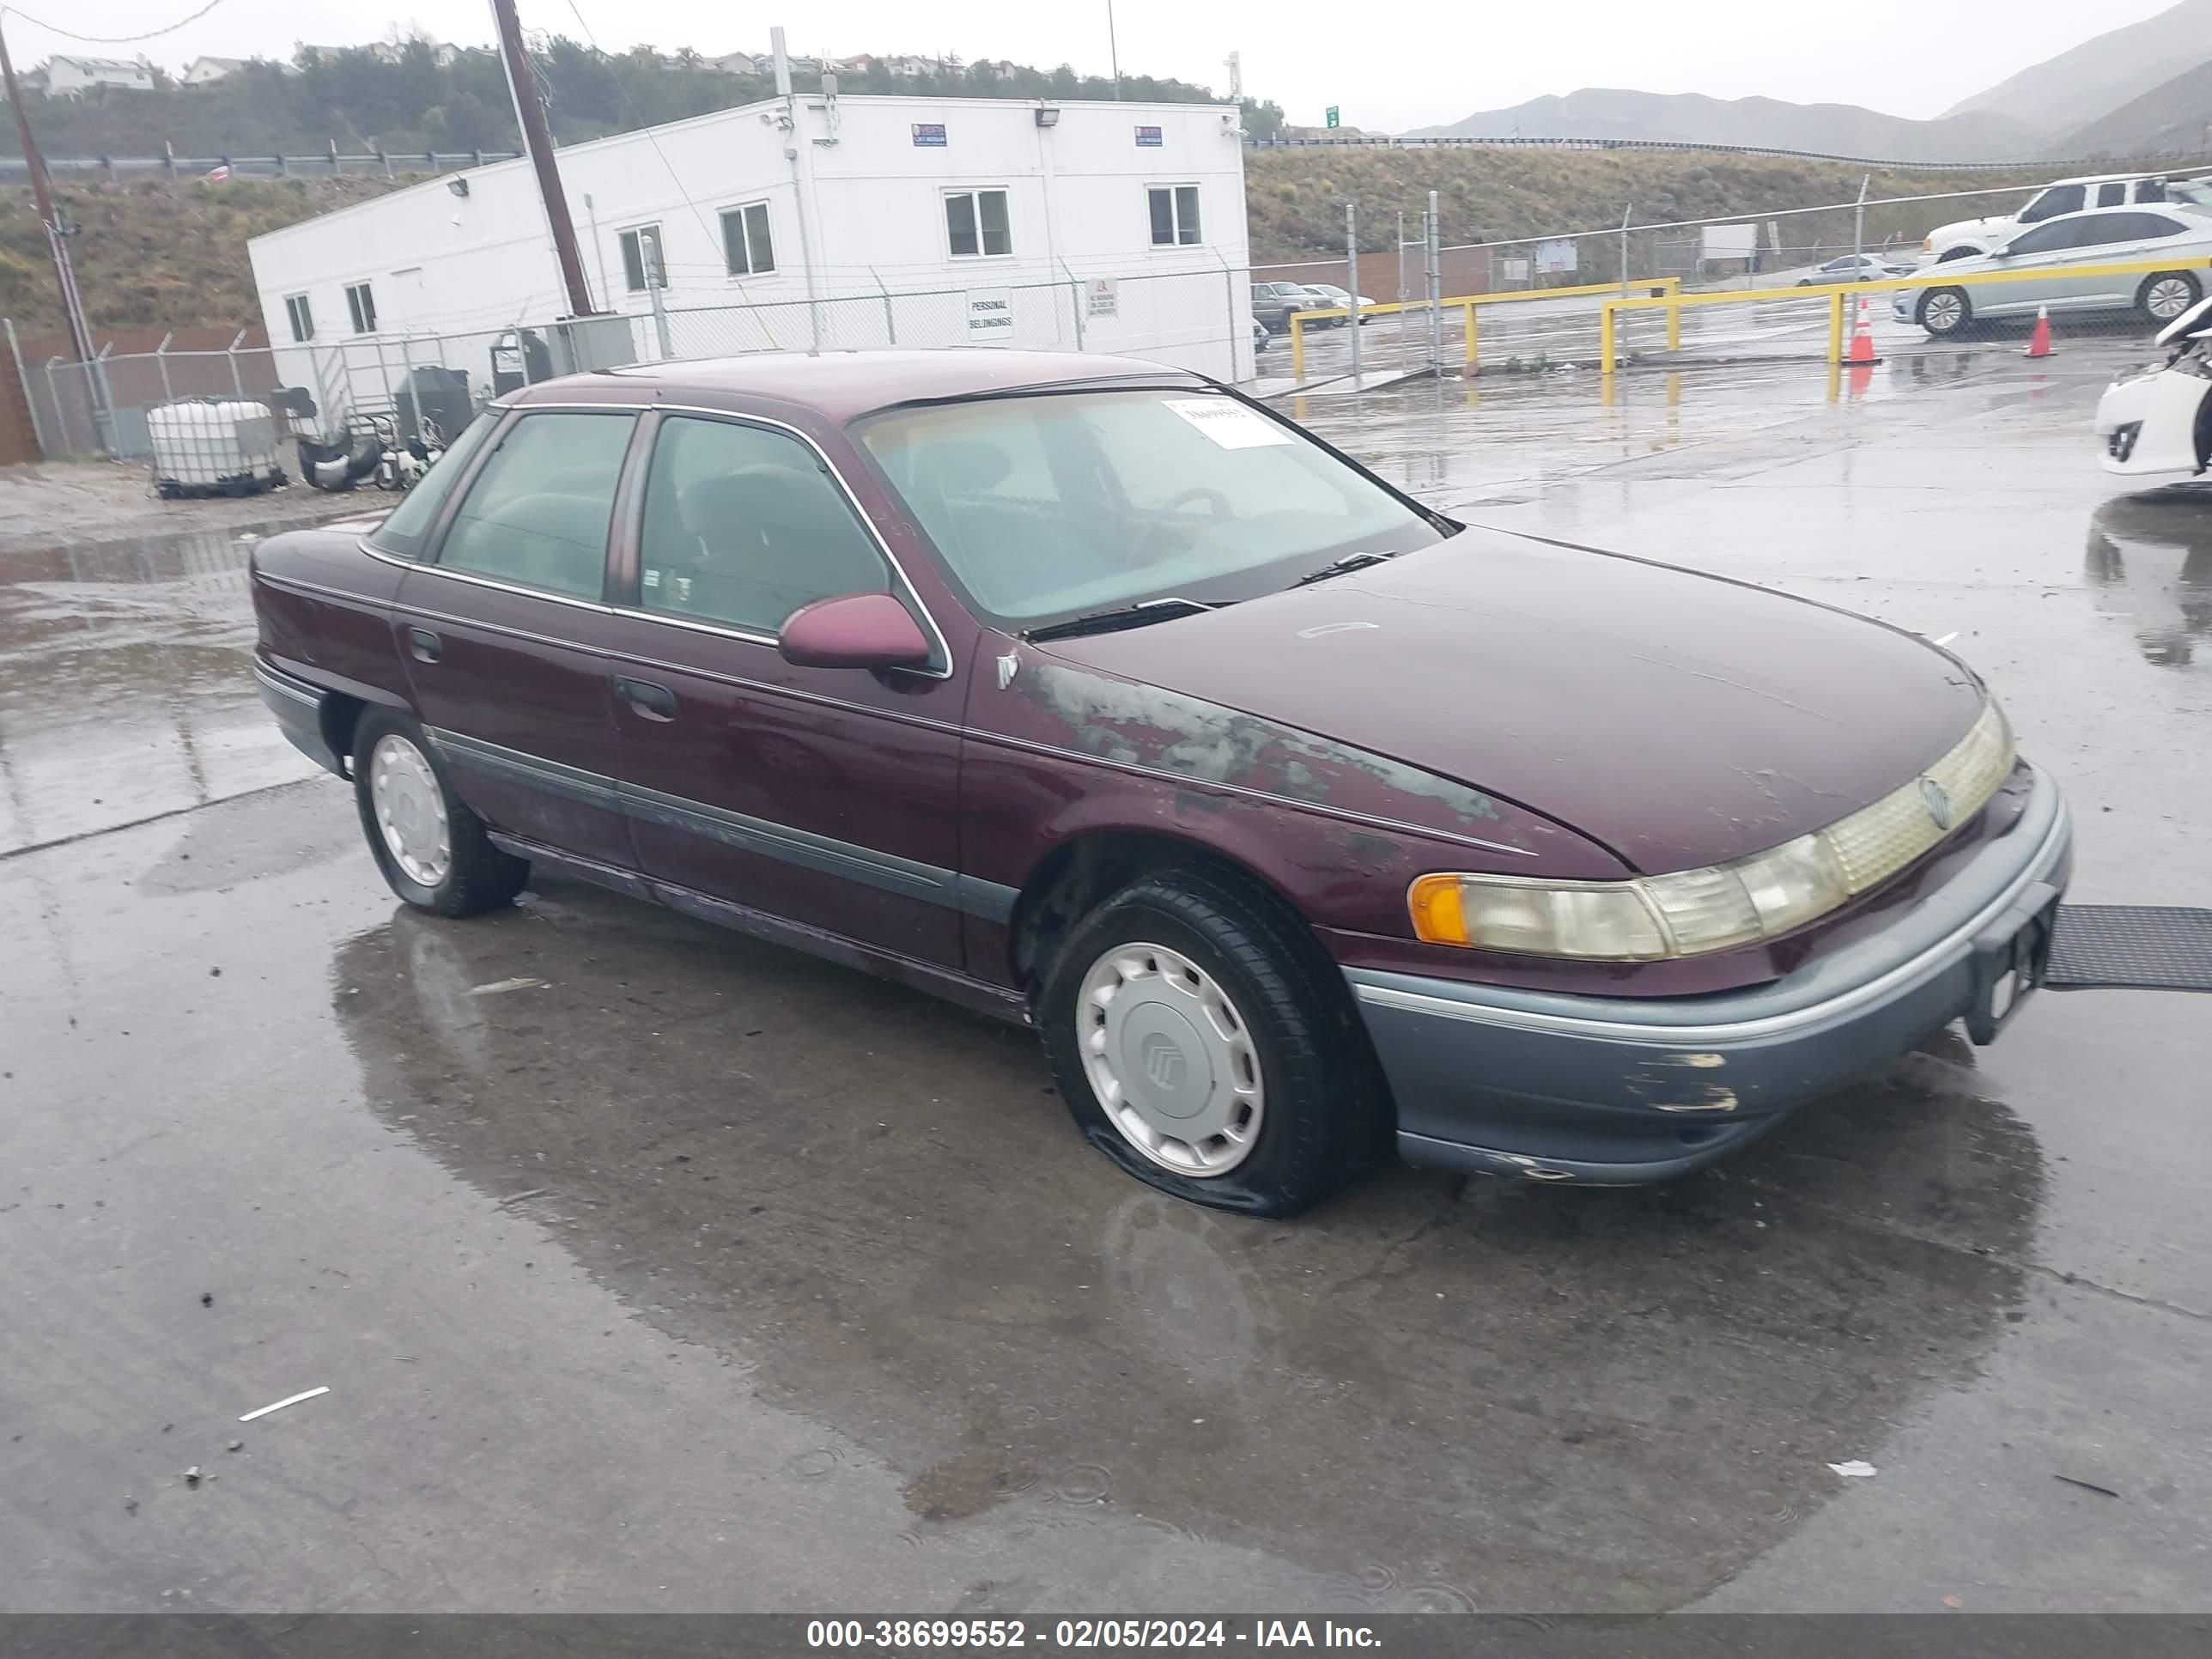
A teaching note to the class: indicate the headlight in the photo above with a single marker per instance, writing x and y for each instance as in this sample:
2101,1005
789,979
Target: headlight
1692,912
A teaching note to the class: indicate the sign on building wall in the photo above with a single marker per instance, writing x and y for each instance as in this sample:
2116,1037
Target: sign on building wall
1556,257
930,135
1148,138
1104,295
1729,241
990,316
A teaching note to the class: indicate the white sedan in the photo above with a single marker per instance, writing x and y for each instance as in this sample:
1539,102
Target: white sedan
2158,418
2056,251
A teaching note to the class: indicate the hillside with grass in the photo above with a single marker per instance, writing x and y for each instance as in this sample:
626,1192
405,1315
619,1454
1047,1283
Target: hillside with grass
160,254
1295,198
155,254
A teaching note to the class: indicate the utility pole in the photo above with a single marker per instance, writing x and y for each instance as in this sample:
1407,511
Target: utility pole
58,246
1436,288
539,143
1352,279
1112,51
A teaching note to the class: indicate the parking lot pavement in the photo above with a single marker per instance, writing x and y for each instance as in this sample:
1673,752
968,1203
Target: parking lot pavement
649,1268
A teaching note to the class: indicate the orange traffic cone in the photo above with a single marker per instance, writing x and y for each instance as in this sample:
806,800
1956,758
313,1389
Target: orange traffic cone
1862,352
2039,345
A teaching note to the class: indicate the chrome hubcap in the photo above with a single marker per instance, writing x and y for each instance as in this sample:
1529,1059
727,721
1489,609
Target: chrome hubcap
410,810
1171,1059
1943,312
2168,298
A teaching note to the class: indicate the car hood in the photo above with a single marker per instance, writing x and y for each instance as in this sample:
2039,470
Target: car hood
1679,720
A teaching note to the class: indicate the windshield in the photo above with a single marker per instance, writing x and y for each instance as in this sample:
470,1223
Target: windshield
1057,505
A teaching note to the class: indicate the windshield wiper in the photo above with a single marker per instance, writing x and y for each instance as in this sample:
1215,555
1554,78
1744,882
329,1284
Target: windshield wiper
1127,616
1339,566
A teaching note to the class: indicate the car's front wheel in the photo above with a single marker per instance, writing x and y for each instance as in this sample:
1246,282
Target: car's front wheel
432,850
1945,312
1204,1041
2165,295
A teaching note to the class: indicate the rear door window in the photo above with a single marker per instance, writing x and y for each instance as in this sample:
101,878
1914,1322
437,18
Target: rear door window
2112,195
401,535
537,515
2143,227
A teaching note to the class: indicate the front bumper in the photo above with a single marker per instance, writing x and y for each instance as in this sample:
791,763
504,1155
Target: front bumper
2147,425
1620,1091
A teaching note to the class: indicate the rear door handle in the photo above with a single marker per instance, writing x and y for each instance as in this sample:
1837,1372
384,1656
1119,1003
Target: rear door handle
423,645
655,703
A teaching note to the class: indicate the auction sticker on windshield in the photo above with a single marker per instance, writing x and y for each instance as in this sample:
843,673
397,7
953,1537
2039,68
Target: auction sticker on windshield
1229,424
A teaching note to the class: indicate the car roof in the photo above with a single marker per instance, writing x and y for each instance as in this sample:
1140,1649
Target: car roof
839,385
2101,179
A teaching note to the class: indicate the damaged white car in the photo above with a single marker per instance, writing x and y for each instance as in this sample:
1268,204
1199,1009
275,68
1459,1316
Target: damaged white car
2158,418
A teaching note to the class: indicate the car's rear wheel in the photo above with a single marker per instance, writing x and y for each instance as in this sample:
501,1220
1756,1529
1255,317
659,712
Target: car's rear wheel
1945,312
2165,295
1204,1041
432,850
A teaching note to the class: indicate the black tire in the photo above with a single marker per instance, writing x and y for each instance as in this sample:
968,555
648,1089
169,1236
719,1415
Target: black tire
1327,1113
478,877
2162,284
1937,313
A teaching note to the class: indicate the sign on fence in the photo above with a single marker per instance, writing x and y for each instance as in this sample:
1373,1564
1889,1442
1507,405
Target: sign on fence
1729,241
990,316
1555,256
1104,295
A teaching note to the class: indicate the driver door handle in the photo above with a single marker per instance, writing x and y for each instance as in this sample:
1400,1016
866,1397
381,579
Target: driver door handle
653,702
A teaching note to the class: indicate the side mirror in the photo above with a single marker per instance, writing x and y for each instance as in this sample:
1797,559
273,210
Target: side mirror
2004,252
853,630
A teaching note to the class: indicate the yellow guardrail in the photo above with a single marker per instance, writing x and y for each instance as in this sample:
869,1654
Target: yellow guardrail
1661,287
1836,293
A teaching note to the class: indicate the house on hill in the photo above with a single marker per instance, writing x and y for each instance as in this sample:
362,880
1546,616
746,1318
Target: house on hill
73,77
205,71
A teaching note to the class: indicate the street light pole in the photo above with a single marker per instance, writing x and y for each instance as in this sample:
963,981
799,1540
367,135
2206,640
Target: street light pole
58,246
1112,51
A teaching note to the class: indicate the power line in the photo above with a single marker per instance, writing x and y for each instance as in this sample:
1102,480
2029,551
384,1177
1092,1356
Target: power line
109,39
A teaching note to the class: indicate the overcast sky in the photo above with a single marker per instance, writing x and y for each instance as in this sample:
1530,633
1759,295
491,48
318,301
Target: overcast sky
1420,64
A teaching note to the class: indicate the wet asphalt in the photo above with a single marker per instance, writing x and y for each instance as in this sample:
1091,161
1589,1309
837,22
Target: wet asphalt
648,1267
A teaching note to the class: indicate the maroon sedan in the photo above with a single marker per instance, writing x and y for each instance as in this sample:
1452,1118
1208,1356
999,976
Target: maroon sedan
1298,819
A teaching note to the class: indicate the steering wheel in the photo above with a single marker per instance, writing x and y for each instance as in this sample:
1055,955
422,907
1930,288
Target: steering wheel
1213,498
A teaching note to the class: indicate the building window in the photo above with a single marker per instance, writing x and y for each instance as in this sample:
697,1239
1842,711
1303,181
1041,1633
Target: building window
303,318
640,247
1174,214
746,243
976,223
360,305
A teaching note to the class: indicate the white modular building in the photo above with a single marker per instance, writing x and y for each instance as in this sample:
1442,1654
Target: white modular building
814,222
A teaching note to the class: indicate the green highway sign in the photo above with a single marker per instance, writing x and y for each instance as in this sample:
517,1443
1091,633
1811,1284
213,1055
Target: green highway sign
1332,115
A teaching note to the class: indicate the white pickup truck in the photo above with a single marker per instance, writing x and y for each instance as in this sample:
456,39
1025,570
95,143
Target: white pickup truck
1970,238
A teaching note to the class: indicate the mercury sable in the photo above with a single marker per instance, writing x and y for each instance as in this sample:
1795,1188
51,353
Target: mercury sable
1301,821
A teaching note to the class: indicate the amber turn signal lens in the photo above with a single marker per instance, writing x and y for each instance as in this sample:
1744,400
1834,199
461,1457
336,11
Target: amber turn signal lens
1439,917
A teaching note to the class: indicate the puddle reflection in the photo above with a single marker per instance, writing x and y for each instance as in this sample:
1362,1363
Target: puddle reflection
2151,557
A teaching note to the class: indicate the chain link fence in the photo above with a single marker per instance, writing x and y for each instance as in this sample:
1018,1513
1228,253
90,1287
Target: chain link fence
1778,250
